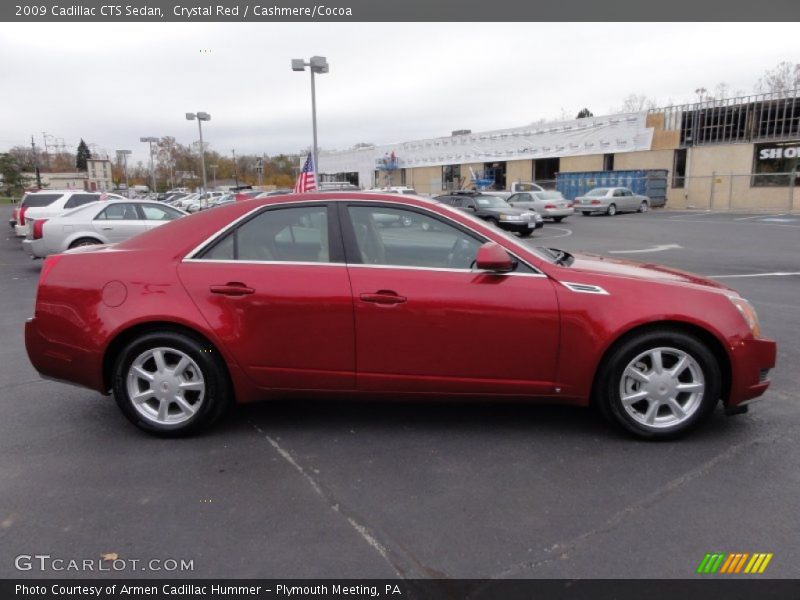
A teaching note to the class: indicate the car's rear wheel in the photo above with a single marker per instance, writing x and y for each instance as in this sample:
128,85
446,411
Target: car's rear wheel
558,219
612,210
585,213
170,383
84,242
643,206
659,384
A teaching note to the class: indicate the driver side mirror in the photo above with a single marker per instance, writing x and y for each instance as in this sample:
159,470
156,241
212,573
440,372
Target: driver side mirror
492,257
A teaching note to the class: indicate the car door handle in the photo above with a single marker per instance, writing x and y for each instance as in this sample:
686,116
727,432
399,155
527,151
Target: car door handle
232,288
108,228
383,297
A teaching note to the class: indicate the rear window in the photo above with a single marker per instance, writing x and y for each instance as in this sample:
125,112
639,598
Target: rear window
37,200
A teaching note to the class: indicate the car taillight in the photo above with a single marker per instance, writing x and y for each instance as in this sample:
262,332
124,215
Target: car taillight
595,201
22,210
37,228
550,206
48,265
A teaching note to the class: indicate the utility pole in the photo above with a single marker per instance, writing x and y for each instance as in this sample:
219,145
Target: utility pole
36,165
235,173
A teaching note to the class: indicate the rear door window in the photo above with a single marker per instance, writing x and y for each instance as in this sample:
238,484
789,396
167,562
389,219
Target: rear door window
81,199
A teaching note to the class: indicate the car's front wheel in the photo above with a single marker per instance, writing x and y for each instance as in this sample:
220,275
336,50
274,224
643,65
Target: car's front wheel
612,210
659,384
170,383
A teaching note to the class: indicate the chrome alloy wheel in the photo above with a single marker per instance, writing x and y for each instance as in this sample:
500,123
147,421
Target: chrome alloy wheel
165,386
662,387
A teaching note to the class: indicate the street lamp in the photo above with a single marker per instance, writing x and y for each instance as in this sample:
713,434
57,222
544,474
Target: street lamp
214,173
201,116
124,154
150,141
317,64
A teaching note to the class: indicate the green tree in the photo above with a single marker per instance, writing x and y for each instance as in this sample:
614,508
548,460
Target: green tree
14,180
584,113
83,155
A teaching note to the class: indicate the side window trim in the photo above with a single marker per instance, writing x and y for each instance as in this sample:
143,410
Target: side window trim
335,247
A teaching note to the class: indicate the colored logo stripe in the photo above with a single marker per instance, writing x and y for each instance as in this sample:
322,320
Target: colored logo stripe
734,562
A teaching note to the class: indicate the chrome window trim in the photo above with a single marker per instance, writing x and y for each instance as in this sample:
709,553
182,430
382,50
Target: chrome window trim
211,239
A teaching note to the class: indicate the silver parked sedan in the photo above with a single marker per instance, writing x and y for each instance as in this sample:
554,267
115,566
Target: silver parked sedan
96,223
549,204
610,201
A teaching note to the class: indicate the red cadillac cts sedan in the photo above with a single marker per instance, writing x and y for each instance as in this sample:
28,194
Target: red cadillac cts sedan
385,296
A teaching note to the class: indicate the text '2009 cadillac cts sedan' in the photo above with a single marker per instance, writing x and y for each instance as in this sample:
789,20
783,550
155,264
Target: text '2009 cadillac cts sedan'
306,295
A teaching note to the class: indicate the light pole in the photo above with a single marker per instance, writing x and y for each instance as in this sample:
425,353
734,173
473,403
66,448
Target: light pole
214,173
150,141
201,116
317,64
124,154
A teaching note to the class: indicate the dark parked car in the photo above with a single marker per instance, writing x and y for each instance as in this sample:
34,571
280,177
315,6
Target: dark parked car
495,210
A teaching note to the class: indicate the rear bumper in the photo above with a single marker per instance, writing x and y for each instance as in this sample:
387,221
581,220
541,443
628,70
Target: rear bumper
557,212
751,361
35,248
55,360
20,230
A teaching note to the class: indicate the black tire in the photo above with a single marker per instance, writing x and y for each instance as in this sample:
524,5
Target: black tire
494,222
558,219
217,396
84,242
611,210
585,213
607,396
644,207
525,233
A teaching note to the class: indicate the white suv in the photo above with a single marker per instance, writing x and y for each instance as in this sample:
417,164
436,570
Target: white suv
51,203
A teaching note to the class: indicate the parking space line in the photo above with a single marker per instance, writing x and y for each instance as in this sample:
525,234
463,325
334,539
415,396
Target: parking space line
644,250
335,506
758,217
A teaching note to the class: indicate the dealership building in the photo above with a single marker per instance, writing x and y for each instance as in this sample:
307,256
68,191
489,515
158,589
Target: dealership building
740,153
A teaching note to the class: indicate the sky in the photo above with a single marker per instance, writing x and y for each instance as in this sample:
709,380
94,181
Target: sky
111,84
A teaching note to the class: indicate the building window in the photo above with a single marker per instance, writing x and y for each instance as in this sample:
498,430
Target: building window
544,171
451,177
403,176
679,169
608,162
775,164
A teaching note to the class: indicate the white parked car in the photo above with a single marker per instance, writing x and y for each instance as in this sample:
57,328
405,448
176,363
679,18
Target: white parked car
50,203
96,223
549,204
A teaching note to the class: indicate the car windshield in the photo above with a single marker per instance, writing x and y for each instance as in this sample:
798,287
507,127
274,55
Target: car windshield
490,202
598,192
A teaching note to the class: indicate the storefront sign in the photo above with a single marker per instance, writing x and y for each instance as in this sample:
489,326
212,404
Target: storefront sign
779,152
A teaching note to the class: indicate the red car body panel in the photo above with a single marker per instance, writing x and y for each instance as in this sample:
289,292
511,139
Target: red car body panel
317,327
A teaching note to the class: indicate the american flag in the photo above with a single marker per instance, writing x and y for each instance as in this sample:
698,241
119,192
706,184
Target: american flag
306,181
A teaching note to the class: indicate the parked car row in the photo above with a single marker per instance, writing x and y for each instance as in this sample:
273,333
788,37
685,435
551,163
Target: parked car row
53,221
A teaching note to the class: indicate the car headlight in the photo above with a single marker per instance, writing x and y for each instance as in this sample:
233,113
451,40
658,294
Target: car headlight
510,218
748,313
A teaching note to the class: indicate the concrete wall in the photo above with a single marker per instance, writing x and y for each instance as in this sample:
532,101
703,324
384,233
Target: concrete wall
576,164
518,170
718,178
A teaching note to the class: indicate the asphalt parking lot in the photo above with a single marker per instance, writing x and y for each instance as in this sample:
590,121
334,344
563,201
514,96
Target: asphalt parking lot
419,490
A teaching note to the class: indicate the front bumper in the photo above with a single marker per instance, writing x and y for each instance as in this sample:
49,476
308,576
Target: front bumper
517,226
751,360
